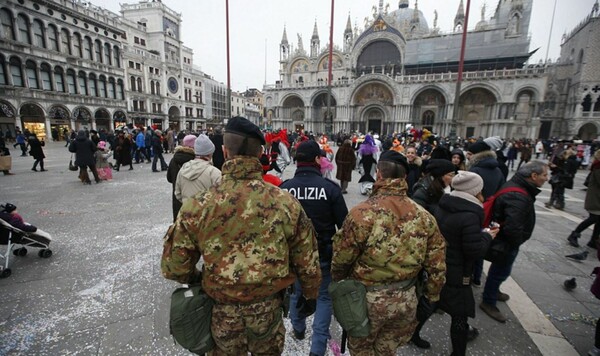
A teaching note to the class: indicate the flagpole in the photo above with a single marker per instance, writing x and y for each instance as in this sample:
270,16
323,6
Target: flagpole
329,114
550,35
228,63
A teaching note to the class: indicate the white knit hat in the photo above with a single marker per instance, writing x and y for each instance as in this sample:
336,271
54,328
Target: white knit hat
203,146
495,142
467,182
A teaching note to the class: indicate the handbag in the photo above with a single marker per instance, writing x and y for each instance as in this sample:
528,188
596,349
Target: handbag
498,251
5,163
72,167
586,182
595,289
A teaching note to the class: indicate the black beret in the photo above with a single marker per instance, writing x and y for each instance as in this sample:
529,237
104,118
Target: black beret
308,150
395,157
241,126
478,146
439,167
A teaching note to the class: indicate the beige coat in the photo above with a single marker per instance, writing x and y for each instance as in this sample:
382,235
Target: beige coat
195,176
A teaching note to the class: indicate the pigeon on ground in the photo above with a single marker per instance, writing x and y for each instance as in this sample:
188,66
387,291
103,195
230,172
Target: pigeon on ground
570,284
578,256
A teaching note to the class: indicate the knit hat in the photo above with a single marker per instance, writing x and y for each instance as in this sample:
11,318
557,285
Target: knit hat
495,142
158,132
439,167
460,153
8,207
102,145
203,146
467,182
188,140
478,146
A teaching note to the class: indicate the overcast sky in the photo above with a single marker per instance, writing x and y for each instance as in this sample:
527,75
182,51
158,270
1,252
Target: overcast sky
256,28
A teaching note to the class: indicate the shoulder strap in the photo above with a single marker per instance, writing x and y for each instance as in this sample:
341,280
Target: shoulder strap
510,190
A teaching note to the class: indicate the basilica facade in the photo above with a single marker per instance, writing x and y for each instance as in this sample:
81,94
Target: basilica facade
398,71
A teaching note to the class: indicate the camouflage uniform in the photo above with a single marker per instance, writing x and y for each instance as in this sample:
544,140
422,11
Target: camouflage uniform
384,240
255,240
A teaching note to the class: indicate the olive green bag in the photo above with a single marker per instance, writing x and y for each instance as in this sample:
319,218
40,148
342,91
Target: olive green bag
191,311
349,299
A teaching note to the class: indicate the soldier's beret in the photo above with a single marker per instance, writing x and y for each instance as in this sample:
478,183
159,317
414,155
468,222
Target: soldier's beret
395,157
241,126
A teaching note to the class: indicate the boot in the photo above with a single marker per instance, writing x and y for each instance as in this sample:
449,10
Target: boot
593,243
573,238
549,204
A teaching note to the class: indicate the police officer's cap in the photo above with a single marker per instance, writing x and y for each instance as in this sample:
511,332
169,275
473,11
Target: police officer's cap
241,126
395,157
308,150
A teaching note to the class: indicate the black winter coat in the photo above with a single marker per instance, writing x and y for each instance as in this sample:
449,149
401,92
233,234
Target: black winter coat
516,212
84,150
460,223
182,155
35,148
486,165
218,159
422,196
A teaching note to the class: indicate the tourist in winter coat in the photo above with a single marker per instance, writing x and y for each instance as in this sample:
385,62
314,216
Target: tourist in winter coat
198,174
36,151
217,140
345,159
414,169
484,162
157,149
459,217
592,205
84,150
102,166
458,159
183,154
122,151
564,167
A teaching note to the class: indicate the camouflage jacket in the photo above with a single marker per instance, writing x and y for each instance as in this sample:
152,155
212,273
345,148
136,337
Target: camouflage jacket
389,238
255,239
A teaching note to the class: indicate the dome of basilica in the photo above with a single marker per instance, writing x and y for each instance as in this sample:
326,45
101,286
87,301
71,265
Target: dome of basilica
405,16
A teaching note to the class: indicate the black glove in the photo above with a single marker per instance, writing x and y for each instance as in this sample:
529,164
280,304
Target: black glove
424,309
306,307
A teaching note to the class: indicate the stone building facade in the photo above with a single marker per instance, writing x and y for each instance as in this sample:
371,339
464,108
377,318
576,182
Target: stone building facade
398,71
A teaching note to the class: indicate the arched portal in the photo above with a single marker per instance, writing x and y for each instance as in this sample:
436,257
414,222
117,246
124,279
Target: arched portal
82,117
320,112
374,117
379,57
476,106
293,109
119,118
7,118
174,119
588,132
102,119
33,119
429,106
60,121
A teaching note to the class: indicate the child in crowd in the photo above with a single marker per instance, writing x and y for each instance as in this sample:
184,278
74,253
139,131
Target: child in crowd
102,166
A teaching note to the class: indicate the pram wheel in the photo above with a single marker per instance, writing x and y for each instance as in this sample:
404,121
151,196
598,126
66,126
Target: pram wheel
5,273
20,252
44,253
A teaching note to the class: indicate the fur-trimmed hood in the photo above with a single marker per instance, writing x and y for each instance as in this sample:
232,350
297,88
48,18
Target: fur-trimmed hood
418,161
185,149
486,159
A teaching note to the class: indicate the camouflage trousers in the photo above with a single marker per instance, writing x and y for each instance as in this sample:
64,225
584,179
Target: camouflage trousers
256,328
392,314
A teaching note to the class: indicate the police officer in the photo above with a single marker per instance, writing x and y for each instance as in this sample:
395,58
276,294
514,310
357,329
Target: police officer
384,243
324,204
255,240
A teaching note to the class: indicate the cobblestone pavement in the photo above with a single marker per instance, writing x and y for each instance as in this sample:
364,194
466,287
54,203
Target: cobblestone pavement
101,292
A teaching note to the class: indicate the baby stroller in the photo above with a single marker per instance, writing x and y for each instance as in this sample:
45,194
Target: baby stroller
11,235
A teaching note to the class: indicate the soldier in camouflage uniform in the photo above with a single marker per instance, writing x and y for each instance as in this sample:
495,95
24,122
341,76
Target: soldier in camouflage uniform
255,240
384,243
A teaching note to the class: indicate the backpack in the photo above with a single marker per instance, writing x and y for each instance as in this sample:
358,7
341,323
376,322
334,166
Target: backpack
349,303
488,204
190,317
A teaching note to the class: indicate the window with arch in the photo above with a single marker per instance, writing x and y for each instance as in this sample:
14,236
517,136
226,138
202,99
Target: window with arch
132,83
111,88
139,84
87,48
15,72
587,103
92,85
38,34
7,24
107,53
65,41
32,79
23,26
45,74
514,25
152,87
98,51
52,38
59,80
71,81
82,81
102,86
3,79
428,119
77,45
157,88
120,93
116,57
